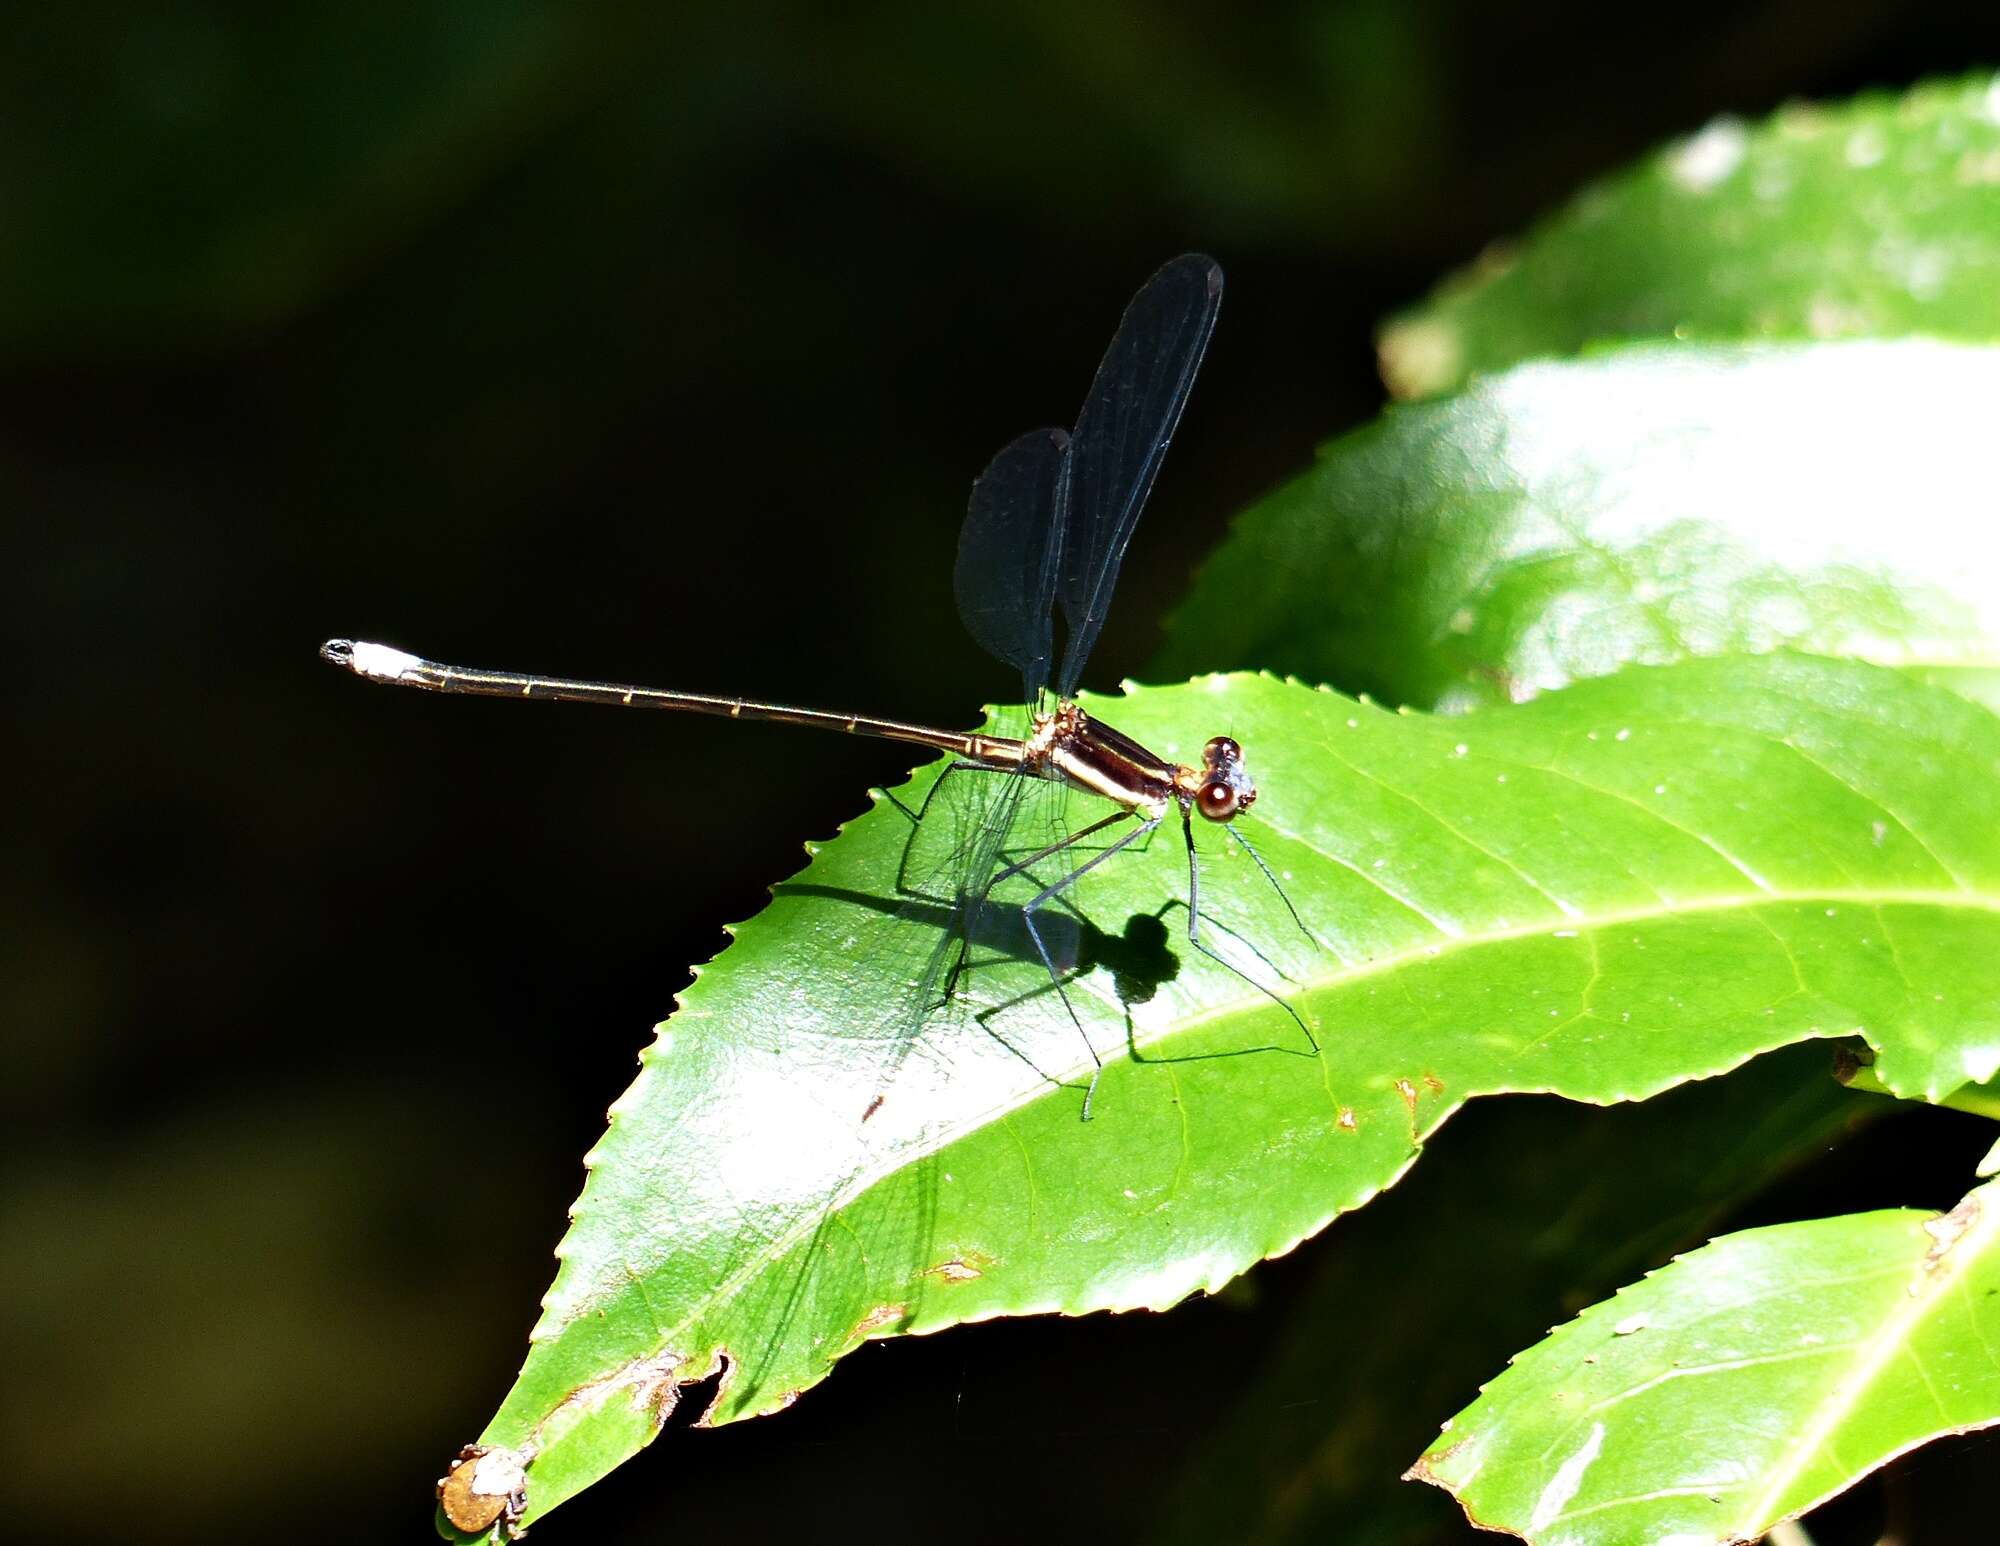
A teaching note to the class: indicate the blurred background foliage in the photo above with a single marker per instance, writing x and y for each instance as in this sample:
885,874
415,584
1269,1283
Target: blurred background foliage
659,342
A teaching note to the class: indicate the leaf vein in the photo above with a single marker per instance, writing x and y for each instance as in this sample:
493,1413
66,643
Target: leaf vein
1661,817
1465,838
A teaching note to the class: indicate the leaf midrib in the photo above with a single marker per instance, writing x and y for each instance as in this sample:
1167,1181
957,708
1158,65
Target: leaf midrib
1582,924
783,1244
1922,1301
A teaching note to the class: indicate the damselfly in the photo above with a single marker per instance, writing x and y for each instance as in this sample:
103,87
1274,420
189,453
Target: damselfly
1046,532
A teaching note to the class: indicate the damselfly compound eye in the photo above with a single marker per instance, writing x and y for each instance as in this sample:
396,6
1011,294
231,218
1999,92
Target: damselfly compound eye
1221,749
1217,801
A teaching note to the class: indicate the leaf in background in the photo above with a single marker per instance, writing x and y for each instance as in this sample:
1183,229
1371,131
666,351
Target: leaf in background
1562,519
1878,217
1741,1385
1554,1206
1600,894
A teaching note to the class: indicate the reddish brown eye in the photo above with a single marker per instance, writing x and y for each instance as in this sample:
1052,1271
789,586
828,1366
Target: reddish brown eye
1222,749
1217,801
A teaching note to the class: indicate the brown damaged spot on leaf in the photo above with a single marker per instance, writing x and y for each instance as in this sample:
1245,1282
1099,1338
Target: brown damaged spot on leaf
879,1318
1408,1091
662,1398
959,1270
650,1383
1412,1096
655,1384
1346,1121
1848,1061
1947,1229
1407,1088
1422,1472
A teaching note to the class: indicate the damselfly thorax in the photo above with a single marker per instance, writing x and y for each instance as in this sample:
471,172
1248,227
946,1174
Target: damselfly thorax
1101,760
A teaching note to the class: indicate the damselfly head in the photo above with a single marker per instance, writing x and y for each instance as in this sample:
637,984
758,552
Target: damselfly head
1223,790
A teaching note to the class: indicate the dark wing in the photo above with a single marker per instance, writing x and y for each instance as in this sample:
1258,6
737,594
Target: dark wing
1134,404
1005,579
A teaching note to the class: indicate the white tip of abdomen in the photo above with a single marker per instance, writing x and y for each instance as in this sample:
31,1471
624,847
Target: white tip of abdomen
378,661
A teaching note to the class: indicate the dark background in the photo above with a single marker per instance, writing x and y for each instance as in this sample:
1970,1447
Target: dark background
660,344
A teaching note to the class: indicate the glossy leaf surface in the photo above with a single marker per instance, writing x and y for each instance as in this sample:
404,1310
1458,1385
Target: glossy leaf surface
1649,878
1740,1385
1563,519
1875,218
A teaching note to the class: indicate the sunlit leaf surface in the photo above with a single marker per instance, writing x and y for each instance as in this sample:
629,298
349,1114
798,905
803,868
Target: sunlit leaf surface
1564,518
1602,893
1742,1384
1876,218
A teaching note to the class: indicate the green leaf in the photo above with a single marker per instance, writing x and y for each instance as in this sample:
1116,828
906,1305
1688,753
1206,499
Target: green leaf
1648,878
1742,1385
1875,218
1981,1100
1566,518
1558,1205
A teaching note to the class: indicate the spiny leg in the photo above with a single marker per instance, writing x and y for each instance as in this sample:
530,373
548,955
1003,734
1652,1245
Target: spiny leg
1194,930
959,765
973,904
1068,840
1049,892
909,886
1273,879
